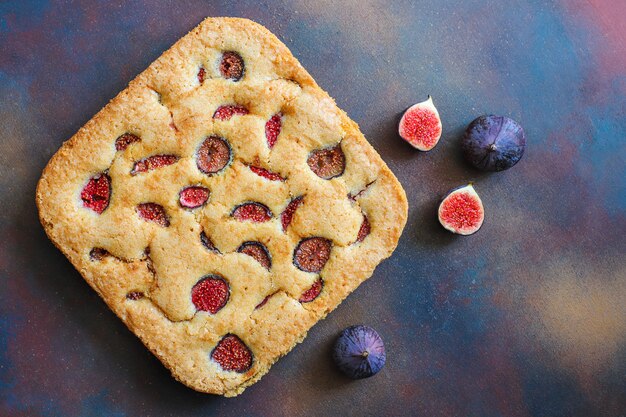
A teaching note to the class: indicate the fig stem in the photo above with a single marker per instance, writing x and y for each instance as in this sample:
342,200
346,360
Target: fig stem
492,147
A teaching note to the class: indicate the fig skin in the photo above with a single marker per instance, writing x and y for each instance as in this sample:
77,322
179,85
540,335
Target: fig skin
493,143
461,211
359,352
420,125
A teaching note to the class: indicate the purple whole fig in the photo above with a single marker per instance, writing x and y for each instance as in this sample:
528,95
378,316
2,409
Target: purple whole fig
493,143
359,352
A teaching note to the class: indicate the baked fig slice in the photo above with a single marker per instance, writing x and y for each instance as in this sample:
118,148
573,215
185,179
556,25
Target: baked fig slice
96,193
232,354
272,129
327,163
232,66
420,125
193,197
462,211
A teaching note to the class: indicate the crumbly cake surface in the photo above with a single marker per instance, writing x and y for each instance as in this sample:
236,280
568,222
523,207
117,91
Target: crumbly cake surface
221,205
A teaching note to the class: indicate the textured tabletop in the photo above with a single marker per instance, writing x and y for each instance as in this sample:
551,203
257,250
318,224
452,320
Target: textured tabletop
525,318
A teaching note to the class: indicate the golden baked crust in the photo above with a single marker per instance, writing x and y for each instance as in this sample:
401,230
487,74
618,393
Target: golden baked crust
171,112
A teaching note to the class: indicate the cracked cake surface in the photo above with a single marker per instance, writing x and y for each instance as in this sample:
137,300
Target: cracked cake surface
221,205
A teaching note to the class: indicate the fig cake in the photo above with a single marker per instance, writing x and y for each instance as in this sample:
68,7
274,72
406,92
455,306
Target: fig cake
221,205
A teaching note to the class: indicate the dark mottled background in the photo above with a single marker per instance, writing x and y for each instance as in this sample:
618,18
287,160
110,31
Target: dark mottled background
525,318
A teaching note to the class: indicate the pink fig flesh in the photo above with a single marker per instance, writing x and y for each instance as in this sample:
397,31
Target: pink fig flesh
258,251
287,215
229,110
313,292
213,155
420,125
125,140
273,128
211,293
262,172
462,211
232,354
96,193
253,211
153,212
193,197
312,253
327,163
153,162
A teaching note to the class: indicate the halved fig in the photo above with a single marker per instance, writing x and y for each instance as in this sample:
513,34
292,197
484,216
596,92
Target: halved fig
213,155
420,125
227,111
272,129
312,253
258,251
462,211
287,215
262,172
232,66
232,354
96,193
327,163
124,141
154,213
193,197
313,292
210,293
253,211
153,162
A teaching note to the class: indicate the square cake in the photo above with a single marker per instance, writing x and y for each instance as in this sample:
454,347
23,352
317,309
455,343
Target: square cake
221,205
